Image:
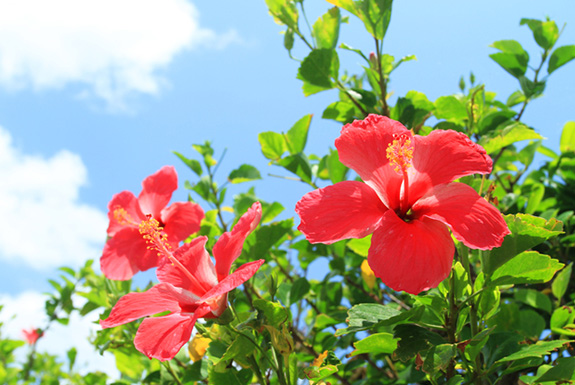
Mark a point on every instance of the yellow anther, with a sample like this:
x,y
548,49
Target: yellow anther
x,y
152,233
122,216
400,153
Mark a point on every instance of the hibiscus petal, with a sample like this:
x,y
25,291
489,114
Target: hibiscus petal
x,y
344,210
362,146
194,257
160,298
242,274
131,215
163,337
181,219
157,191
473,220
443,156
229,245
411,256
125,254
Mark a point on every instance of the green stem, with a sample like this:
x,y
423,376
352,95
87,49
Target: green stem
x,y
257,370
382,84
172,372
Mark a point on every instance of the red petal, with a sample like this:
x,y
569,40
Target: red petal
x,y
229,245
411,256
472,219
441,157
163,337
119,259
345,210
182,219
157,191
160,298
362,146
194,257
127,201
242,274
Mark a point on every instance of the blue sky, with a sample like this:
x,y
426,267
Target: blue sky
x,y
94,97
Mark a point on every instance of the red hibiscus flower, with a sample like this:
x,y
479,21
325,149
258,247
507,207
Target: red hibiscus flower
x,y
126,251
32,335
408,201
190,287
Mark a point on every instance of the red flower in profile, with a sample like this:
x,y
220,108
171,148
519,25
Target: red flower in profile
x,y
32,335
190,287
126,251
408,201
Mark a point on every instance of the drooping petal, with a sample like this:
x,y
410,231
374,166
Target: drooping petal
x,y
163,337
194,257
160,298
181,219
411,256
473,220
119,259
229,245
157,191
362,146
344,210
441,157
123,210
242,274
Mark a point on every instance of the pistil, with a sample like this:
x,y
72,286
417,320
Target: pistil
x,y
400,154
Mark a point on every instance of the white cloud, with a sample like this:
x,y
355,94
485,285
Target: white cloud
x,y
114,48
43,223
26,311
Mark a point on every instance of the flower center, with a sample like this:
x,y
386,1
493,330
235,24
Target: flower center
x,y
400,153
158,241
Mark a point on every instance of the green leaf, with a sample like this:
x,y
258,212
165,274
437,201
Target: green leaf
x,y
273,144
129,364
438,358
318,69
289,40
531,89
531,324
533,298
493,119
265,237
413,340
526,231
375,14
335,168
567,142
375,344
515,98
342,112
527,267
367,315
297,164
72,353
412,109
299,289
192,164
244,173
326,29
512,57
296,137
450,108
535,197
360,246
545,33
284,12
274,312
560,57
231,376
240,348
563,321
512,133
540,349
561,282
563,372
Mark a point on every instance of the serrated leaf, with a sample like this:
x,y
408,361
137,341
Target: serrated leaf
x,y
527,267
319,68
413,340
540,349
438,358
326,29
567,142
512,133
366,315
375,344
274,312
545,33
561,282
244,173
273,145
512,58
296,137
560,57
526,231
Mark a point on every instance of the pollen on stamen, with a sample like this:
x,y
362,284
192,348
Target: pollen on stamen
x,y
400,153
122,216
152,233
